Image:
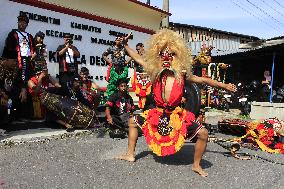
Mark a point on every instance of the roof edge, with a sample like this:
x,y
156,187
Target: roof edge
x,y
72,12
150,7
216,30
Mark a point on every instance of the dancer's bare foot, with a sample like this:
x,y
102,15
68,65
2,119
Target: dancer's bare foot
x,y
199,170
126,157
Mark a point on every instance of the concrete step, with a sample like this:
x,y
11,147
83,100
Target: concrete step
x,y
39,134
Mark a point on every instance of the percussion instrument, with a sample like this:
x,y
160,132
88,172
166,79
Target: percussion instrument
x,y
68,110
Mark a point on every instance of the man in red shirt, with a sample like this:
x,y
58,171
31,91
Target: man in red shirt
x,y
89,89
37,84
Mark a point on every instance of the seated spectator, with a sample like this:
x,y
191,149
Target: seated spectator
x,y
69,108
120,107
37,84
89,89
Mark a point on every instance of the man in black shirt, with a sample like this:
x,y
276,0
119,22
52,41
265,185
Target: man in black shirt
x,y
120,106
19,45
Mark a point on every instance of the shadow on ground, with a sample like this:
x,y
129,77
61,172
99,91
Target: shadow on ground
x,y
183,157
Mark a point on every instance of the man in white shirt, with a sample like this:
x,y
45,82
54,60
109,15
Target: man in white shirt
x,y
67,54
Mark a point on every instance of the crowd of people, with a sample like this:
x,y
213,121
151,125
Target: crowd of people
x,y
72,102
25,77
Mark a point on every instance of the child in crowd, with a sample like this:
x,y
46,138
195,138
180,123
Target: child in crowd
x,y
120,107
89,89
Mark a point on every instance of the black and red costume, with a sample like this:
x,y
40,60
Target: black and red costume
x,y
167,125
12,50
121,107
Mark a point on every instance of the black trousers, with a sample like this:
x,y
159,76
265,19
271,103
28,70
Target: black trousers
x,y
3,115
120,121
66,78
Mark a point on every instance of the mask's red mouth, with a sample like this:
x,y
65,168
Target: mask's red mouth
x,y
166,56
166,64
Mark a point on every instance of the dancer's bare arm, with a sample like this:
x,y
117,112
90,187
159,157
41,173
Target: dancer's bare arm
x,y
213,83
131,52
135,56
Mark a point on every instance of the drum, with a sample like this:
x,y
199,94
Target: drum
x,y
8,69
70,111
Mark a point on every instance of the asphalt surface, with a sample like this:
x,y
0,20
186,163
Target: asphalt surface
x,y
88,162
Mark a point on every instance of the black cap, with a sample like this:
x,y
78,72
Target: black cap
x,y
122,80
67,35
76,78
40,34
84,70
23,17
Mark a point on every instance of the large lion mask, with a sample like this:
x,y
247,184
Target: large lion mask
x,y
167,39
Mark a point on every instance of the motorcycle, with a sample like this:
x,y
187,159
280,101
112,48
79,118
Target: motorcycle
x,y
244,98
248,93
245,105
279,96
225,101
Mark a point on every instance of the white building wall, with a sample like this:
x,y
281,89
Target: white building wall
x,y
91,52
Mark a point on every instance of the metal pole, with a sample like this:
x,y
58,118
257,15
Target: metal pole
x,y
272,78
148,2
165,21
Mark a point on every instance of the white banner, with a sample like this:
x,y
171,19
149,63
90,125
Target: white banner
x,y
91,38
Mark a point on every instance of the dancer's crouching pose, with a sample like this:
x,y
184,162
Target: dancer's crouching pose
x,y
165,127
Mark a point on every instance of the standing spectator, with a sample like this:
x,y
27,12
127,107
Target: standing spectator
x,y
118,68
266,86
19,46
40,48
140,50
68,55
266,78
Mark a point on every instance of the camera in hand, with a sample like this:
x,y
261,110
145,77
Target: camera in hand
x,y
70,41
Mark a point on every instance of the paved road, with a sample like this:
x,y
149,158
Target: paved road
x,y
87,162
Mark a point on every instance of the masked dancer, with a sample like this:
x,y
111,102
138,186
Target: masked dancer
x,y
168,62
